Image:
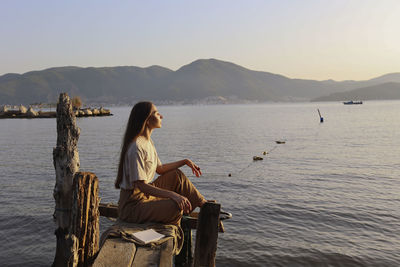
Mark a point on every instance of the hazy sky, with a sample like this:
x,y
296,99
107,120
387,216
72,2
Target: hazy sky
x,y
321,39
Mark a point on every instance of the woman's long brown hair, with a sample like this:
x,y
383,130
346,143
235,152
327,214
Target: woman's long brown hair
x,y
137,120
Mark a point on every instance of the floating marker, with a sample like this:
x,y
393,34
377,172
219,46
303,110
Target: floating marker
x,y
321,119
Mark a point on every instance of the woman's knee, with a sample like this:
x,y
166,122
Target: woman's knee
x,y
180,175
171,213
177,174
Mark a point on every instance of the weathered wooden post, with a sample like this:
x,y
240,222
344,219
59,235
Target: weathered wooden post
x,y
66,164
185,257
85,216
207,235
76,195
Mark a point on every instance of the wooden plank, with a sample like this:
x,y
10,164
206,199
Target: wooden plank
x,y
110,210
207,235
192,220
116,252
159,255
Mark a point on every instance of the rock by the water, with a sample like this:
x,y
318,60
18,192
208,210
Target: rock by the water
x,y
87,112
22,109
31,112
95,111
104,111
3,109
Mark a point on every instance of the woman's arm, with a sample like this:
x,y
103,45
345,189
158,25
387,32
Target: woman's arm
x,y
183,202
175,165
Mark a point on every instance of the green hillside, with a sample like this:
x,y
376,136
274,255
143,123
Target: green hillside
x,y
198,80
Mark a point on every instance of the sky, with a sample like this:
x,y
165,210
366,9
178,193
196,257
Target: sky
x,y
308,39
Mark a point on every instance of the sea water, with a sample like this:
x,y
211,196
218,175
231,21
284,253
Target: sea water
x,y
328,196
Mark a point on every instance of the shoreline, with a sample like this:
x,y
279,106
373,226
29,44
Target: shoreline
x,y
23,113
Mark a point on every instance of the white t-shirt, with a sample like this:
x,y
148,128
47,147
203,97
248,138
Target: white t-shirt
x,y
141,161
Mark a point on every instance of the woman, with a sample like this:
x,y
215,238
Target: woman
x,y
171,194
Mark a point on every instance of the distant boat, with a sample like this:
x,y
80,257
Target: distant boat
x,y
352,102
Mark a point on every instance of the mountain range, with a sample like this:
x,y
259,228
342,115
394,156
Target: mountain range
x,y
201,79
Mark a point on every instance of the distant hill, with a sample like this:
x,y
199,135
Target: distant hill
x,y
384,91
391,77
201,79
92,84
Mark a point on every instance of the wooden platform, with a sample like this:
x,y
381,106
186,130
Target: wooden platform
x,y
206,223
119,251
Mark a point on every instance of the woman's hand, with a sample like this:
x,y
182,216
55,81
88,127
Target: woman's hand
x,y
183,202
195,169
161,169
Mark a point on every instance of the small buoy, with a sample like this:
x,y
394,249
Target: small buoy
x,y
265,153
321,119
257,158
229,175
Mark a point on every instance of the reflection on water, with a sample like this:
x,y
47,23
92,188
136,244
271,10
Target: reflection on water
x,y
327,197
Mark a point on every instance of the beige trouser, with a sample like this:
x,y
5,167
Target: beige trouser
x,y
135,206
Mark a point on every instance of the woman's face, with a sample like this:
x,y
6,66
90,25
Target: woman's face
x,y
155,118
